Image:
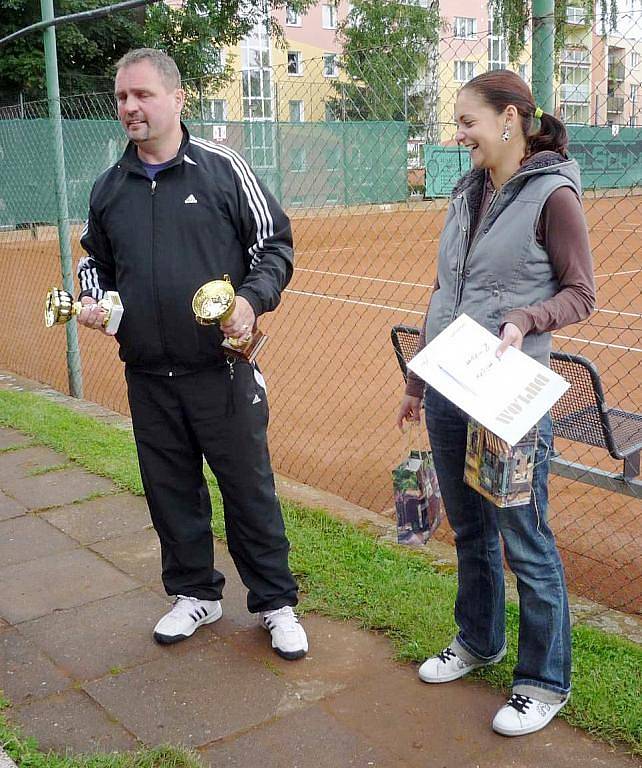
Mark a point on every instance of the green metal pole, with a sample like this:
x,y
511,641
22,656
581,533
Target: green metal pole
x,y
544,54
64,232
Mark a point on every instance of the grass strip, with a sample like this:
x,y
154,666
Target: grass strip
x,y
345,573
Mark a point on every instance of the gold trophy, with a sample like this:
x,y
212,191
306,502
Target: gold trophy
x,y
214,302
60,307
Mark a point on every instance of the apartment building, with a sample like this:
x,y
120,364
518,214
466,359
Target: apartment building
x,y
597,82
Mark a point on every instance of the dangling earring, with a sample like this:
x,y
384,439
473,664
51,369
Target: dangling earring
x,y
506,132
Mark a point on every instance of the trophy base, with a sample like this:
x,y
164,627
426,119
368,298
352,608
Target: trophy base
x,y
247,351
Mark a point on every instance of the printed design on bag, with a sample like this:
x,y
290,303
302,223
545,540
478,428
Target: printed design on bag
x,y
499,472
417,498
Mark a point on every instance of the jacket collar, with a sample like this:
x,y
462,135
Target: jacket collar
x,y
131,162
473,183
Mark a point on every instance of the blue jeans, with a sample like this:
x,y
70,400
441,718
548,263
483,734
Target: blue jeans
x,y
543,669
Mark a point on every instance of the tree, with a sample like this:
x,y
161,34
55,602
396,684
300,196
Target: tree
x,y
385,51
86,52
193,34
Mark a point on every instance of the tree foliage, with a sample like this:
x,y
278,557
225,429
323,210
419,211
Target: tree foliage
x,y
193,34
512,18
385,50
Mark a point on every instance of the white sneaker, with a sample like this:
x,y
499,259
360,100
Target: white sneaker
x,y
186,616
447,666
522,715
288,636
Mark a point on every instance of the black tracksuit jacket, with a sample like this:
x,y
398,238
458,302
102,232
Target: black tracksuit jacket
x,y
156,243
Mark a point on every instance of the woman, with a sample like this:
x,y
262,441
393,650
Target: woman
x,y
514,255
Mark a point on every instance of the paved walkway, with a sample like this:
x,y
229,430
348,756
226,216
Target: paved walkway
x,y
79,569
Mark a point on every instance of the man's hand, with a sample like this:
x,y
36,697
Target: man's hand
x,y
511,337
410,410
241,322
92,315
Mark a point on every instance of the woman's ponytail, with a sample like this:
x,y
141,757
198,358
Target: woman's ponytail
x,y
551,137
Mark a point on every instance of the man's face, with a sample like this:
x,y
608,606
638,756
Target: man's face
x,y
147,109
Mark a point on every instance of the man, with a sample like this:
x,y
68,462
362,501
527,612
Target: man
x,y
174,213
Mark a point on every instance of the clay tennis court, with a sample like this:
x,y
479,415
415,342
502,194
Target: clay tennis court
x,y
335,385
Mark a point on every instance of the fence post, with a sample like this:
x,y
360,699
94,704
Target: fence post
x,y
64,234
543,54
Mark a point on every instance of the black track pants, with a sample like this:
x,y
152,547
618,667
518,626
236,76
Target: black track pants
x,y
178,420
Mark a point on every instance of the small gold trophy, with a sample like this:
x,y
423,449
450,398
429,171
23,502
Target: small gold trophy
x,y
60,307
215,301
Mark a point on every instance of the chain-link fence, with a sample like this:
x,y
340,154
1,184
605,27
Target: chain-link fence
x,y
364,167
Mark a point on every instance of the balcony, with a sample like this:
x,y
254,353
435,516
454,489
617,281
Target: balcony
x,y
576,16
617,72
578,93
615,105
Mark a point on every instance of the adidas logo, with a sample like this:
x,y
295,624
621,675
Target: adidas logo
x,y
190,199
256,400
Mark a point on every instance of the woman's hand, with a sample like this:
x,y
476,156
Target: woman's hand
x,y
410,410
511,337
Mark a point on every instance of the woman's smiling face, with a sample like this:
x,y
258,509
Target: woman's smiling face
x,y
479,128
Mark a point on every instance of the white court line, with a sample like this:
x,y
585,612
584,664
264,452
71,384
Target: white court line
x,y
426,285
354,301
616,274
617,312
598,343
421,314
364,277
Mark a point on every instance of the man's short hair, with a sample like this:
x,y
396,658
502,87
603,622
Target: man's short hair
x,y
162,63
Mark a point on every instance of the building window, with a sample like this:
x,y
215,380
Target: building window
x,y
464,71
465,26
497,51
634,59
218,110
292,17
575,64
329,16
295,63
257,74
296,112
575,114
330,65
523,72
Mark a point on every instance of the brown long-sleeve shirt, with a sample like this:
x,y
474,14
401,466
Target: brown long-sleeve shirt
x,y
563,233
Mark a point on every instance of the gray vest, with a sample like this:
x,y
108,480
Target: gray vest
x,y
504,267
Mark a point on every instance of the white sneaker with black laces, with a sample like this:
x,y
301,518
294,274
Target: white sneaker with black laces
x,y
288,636
186,616
522,714
447,666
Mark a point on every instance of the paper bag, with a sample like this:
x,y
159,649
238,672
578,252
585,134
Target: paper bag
x,y
417,498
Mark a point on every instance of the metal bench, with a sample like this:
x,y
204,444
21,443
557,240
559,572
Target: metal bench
x,y
580,415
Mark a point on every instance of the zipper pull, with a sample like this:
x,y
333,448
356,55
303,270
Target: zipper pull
x,y
153,186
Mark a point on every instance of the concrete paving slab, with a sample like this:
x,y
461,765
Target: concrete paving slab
x,y
18,464
137,555
29,538
100,519
93,640
64,580
56,488
10,507
450,726
340,654
26,673
11,437
310,738
210,694
71,722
